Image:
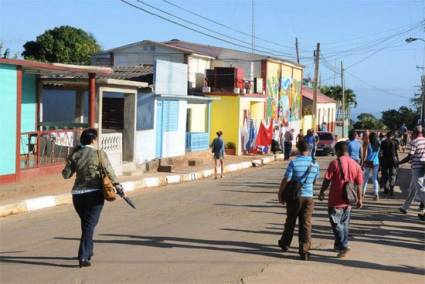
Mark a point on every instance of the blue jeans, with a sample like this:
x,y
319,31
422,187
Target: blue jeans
x,y
340,222
375,171
88,206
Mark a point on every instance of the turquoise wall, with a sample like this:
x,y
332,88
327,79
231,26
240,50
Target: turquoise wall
x,y
8,119
29,103
29,108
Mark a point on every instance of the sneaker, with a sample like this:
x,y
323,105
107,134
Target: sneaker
x,y
342,253
305,256
402,210
376,198
84,263
421,216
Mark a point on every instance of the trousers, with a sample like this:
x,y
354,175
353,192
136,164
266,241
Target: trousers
x,y
340,223
88,206
416,185
302,209
389,174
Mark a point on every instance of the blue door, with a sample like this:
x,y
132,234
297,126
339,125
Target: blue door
x,y
159,128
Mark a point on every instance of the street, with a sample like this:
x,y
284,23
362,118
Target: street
x,y
210,231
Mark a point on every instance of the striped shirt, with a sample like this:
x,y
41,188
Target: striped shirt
x,y
297,168
417,151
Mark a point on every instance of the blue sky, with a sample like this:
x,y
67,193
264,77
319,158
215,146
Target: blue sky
x,y
345,28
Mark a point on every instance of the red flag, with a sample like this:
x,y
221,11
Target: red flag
x,y
263,136
270,132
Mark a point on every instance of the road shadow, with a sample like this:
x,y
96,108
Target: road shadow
x,y
39,260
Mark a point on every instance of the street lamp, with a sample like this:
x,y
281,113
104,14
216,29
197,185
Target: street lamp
x,y
409,40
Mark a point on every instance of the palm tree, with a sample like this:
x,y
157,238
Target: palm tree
x,y
335,92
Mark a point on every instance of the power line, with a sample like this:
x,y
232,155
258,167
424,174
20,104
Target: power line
x,y
374,87
264,49
226,26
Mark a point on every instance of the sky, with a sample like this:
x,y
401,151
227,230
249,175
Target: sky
x,y
367,34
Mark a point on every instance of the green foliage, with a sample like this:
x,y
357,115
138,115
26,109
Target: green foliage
x,y
5,52
335,92
368,121
230,145
63,44
393,119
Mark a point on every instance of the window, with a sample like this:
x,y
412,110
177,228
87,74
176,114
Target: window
x,y
145,111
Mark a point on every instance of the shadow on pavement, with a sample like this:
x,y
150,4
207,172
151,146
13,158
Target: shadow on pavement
x,y
38,260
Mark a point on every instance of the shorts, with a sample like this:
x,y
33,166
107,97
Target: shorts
x,y
218,156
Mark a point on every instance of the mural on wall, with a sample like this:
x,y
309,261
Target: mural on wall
x,y
290,99
273,97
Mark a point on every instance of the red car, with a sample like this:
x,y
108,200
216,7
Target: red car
x,y
326,143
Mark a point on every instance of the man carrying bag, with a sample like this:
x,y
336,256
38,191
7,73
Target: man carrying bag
x,y
343,175
296,190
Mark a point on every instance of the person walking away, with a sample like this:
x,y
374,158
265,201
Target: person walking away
x,y
275,140
365,144
311,143
371,164
417,158
289,137
389,159
282,131
354,147
341,170
87,194
217,146
300,137
305,170
404,136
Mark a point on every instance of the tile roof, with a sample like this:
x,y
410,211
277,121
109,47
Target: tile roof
x,y
321,98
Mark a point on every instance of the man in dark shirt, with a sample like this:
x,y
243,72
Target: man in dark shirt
x,y
389,159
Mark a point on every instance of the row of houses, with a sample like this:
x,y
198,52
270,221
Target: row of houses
x,y
149,100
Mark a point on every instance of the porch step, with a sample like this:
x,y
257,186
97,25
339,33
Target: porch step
x,y
128,168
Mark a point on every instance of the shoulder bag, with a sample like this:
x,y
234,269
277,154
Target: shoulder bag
x,y
107,186
293,187
349,193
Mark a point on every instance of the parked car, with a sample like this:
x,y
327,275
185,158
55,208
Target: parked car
x,y
326,143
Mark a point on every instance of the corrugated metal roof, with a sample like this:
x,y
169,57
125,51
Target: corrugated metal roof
x,y
321,98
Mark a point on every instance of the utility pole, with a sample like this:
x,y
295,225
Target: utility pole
x,y
297,50
423,101
315,84
343,99
253,25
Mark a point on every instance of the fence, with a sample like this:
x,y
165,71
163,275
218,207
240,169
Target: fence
x,y
41,148
112,145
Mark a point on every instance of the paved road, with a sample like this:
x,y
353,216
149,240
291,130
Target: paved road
x,y
210,232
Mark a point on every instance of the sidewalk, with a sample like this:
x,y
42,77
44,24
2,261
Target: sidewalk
x,y
53,190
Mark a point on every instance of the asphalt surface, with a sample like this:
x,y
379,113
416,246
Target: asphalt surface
x,y
211,231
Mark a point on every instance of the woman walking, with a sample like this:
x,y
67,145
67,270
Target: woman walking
x,y
371,164
87,194
218,150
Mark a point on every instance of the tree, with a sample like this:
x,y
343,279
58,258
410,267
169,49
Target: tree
x,y
393,119
63,44
335,92
6,52
368,121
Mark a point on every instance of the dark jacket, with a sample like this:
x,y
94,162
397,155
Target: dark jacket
x,y
84,162
389,153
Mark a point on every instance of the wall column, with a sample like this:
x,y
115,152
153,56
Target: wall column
x,y
92,99
18,118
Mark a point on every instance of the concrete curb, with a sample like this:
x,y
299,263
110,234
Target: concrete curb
x,y
34,204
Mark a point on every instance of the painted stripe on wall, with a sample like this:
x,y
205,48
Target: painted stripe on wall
x,y
8,84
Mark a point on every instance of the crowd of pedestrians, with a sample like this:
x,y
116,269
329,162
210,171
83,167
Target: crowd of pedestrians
x,y
362,156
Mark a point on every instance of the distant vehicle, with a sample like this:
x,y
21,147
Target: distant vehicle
x,y
326,143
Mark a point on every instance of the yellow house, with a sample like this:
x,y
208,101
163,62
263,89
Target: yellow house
x,y
229,113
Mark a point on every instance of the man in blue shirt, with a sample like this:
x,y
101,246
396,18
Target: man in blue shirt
x,y
303,169
354,147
